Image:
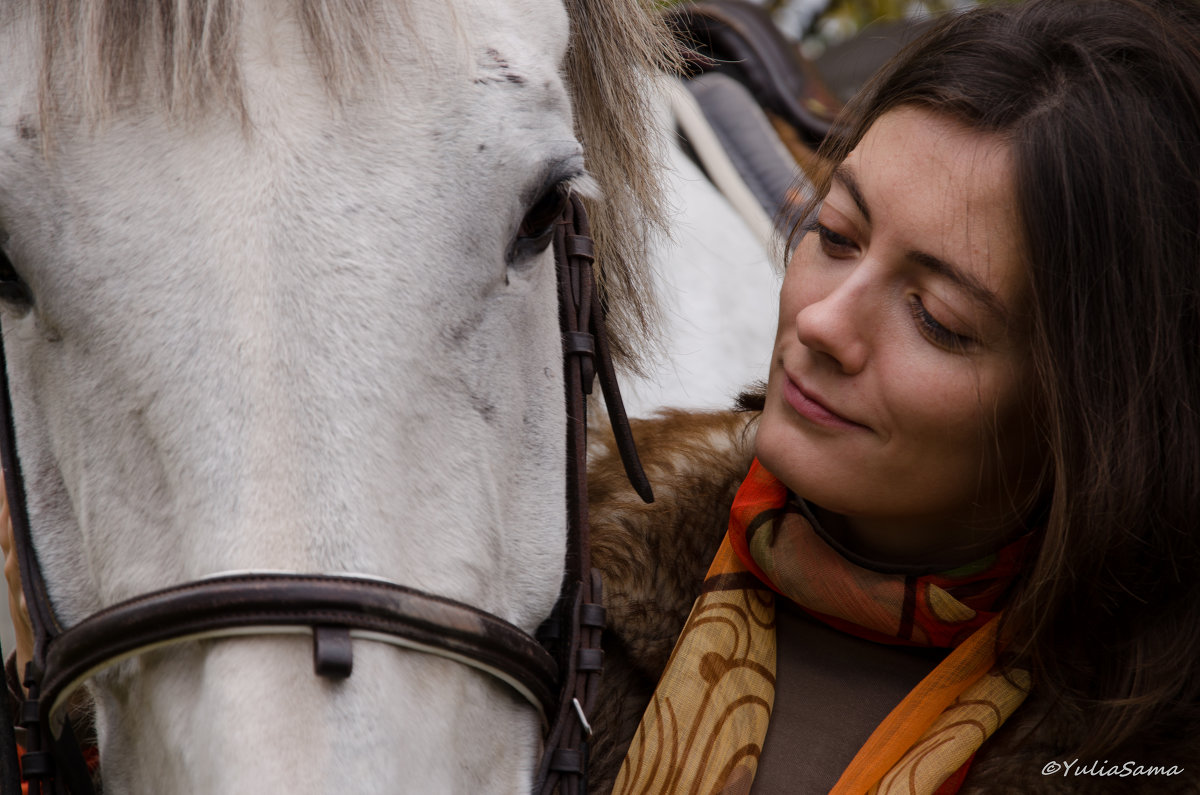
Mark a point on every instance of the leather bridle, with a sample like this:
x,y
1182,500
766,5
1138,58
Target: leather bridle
x,y
558,672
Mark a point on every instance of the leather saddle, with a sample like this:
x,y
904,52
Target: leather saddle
x,y
754,109
739,39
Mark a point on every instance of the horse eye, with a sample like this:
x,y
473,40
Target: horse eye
x,y
538,224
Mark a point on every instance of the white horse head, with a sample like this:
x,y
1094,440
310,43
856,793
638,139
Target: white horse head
x,y
286,315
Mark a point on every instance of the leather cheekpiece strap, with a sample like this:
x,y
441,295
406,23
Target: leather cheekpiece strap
x,y
579,342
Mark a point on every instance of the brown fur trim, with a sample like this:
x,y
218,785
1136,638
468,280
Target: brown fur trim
x,y
653,557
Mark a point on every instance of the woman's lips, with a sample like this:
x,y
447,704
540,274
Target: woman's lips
x,y
812,409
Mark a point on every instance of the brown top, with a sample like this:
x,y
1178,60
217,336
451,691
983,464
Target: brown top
x,y
831,691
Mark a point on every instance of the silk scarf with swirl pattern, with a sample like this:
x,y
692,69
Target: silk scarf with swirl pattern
x,y
704,728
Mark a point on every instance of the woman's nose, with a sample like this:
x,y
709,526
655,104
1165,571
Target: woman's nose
x,y
835,323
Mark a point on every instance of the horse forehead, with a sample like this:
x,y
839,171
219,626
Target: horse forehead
x,y
518,42
470,76
438,46
539,27
516,52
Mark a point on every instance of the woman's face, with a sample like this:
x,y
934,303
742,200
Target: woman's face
x,y
900,385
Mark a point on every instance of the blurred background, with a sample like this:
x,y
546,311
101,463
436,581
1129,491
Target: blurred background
x,y
848,39
819,24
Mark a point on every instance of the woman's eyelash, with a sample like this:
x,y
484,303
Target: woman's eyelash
x,y
835,244
935,330
831,239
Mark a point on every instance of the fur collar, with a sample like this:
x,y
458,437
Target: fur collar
x,y
653,557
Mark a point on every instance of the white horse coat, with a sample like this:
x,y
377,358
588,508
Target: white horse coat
x,y
307,337
717,276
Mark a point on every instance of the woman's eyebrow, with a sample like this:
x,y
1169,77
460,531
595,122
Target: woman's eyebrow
x,y
845,176
963,279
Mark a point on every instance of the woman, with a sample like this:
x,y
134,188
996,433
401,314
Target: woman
x,y
970,531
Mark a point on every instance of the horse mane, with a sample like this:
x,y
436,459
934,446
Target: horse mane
x,y
100,54
617,47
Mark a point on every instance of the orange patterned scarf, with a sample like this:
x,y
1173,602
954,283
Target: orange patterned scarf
x,y
703,730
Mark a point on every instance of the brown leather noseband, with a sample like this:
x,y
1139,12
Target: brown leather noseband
x,y
559,678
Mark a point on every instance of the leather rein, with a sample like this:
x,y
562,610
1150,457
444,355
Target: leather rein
x,y
558,672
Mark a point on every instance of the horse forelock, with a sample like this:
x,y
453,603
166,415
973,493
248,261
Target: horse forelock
x,y
617,47
101,54
98,54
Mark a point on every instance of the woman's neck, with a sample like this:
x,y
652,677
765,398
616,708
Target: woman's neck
x,y
911,548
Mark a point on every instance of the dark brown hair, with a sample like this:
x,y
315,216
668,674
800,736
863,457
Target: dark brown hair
x,y
1100,103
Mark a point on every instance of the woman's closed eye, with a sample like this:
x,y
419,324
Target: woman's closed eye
x,y
935,332
837,245
834,244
